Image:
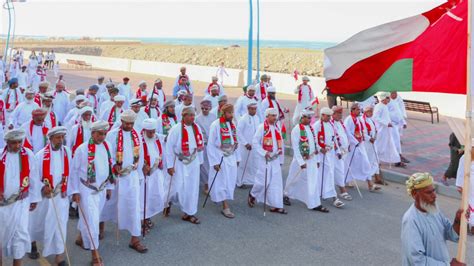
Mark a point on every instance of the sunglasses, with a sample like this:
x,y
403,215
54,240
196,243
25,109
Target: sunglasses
x,y
205,109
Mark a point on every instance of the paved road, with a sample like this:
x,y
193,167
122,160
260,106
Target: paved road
x,y
365,232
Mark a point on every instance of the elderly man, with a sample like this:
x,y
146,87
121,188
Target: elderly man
x,y
328,156
72,114
341,153
167,119
38,76
12,97
19,194
302,182
47,103
136,106
43,88
246,128
93,98
214,85
80,132
224,159
395,98
60,102
36,130
151,201
114,112
158,90
268,183
261,88
125,89
48,223
398,123
106,96
152,109
384,143
271,102
181,75
187,102
184,149
142,93
213,96
305,98
243,101
91,175
370,135
460,185
424,228
358,166
22,113
183,85
123,207
216,110
204,121
107,104
101,84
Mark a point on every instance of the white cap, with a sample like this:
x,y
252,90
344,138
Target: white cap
x,y
80,98
119,98
252,103
44,84
326,111
99,126
368,107
305,78
85,109
149,124
382,95
307,113
128,116
271,111
30,91
59,130
250,88
155,96
135,101
141,83
214,87
14,134
271,89
214,78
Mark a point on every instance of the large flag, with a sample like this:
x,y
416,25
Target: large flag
x,y
425,53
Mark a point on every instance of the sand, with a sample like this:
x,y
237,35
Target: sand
x,y
306,61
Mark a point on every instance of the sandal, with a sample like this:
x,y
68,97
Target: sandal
x,y
286,201
227,213
375,188
251,200
320,208
279,210
401,165
338,203
191,218
346,196
137,246
80,243
149,223
97,262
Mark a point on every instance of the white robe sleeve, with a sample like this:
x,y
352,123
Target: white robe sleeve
x,y
112,141
79,169
35,181
295,141
350,127
172,139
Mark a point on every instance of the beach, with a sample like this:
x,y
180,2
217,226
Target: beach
x,y
280,60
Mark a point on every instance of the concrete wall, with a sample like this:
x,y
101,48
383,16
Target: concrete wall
x,y
448,104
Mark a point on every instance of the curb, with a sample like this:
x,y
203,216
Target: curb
x,y
448,191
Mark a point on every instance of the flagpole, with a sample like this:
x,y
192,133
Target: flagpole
x,y
249,55
461,254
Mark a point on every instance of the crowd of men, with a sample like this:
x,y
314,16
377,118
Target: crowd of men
x,y
113,154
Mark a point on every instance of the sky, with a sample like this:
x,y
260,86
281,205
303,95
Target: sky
x,y
330,20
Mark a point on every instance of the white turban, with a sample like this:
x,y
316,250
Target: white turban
x,y
188,110
214,78
271,89
141,83
100,126
44,84
128,116
271,111
382,95
252,103
150,124
307,113
119,98
214,87
59,130
250,88
85,109
30,91
326,111
14,134
368,107
80,98
135,102
305,78
169,103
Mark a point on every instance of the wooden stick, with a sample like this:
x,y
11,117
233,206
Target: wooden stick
x,y
461,253
60,230
169,187
96,252
245,166
265,191
144,208
212,184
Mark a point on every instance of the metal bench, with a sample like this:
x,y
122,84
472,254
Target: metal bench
x,y
84,65
422,107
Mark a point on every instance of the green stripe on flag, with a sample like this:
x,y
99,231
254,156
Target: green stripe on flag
x,y
398,77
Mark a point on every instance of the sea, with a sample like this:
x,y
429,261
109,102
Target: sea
x,y
313,45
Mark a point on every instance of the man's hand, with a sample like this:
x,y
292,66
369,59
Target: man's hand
x,y
339,156
76,198
323,151
217,167
268,155
108,194
171,171
460,151
303,166
405,126
117,168
10,127
47,192
33,206
146,169
248,147
390,125
2,198
372,140
455,262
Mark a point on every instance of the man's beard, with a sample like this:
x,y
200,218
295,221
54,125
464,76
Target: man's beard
x,y
428,207
86,124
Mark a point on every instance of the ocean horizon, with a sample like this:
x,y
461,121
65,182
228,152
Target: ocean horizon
x,y
312,45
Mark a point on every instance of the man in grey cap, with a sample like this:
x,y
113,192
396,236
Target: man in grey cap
x,y
167,119
106,104
93,98
106,95
54,162
92,176
101,84
305,98
261,88
127,157
19,194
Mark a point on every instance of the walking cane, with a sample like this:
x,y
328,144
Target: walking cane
x,y
349,168
265,192
169,187
245,167
144,209
60,230
96,252
322,176
212,184
117,231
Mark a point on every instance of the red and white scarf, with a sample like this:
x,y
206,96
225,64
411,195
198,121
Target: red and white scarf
x,y
166,123
44,130
136,146
185,139
24,170
300,92
38,99
367,125
146,153
47,176
113,116
358,128
263,91
210,86
2,112
225,134
280,111
8,99
96,103
41,74
148,110
268,138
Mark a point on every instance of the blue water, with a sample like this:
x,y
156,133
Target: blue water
x,y
213,42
